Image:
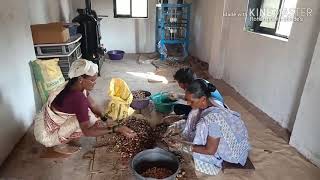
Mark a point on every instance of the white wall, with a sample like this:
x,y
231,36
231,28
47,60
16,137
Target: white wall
x,y
270,73
17,103
305,135
45,11
130,35
202,28
19,98
207,34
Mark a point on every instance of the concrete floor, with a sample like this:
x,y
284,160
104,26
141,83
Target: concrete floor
x,y
29,159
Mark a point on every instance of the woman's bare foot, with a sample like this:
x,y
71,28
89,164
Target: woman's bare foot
x,y
75,143
66,149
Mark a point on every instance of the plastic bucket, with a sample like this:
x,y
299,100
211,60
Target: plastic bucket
x,y
163,103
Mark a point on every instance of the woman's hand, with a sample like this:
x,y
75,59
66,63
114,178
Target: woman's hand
x,y
171,131
172,119
124,130
173,143
179,145
174,96
175,128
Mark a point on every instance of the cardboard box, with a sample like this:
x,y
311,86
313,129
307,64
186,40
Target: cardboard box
x,y
49,33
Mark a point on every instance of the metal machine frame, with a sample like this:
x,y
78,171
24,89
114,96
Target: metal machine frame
x,y
173,19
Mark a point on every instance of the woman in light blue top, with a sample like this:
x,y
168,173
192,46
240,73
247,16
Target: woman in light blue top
x,y
185,77
212,134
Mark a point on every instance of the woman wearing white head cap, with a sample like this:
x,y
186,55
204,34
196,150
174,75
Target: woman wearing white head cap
x,y
70,112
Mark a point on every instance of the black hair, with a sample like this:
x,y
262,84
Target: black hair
x,y
59,99
200,87
184,75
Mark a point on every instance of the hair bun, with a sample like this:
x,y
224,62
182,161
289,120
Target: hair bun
x,y
211,87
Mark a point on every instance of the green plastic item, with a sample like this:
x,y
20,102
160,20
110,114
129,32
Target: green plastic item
x,y
162,102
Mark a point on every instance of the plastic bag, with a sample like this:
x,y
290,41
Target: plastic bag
x,y
48,77
121,98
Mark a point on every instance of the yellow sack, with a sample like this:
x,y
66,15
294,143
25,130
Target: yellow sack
x,y
121,98
48,76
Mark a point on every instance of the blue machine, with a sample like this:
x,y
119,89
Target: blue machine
x,y
172,28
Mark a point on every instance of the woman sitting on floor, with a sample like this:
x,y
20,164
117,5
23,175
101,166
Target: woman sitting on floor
x,y
212,134
70,112
185,77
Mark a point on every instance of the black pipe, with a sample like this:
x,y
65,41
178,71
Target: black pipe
x,y
88,5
